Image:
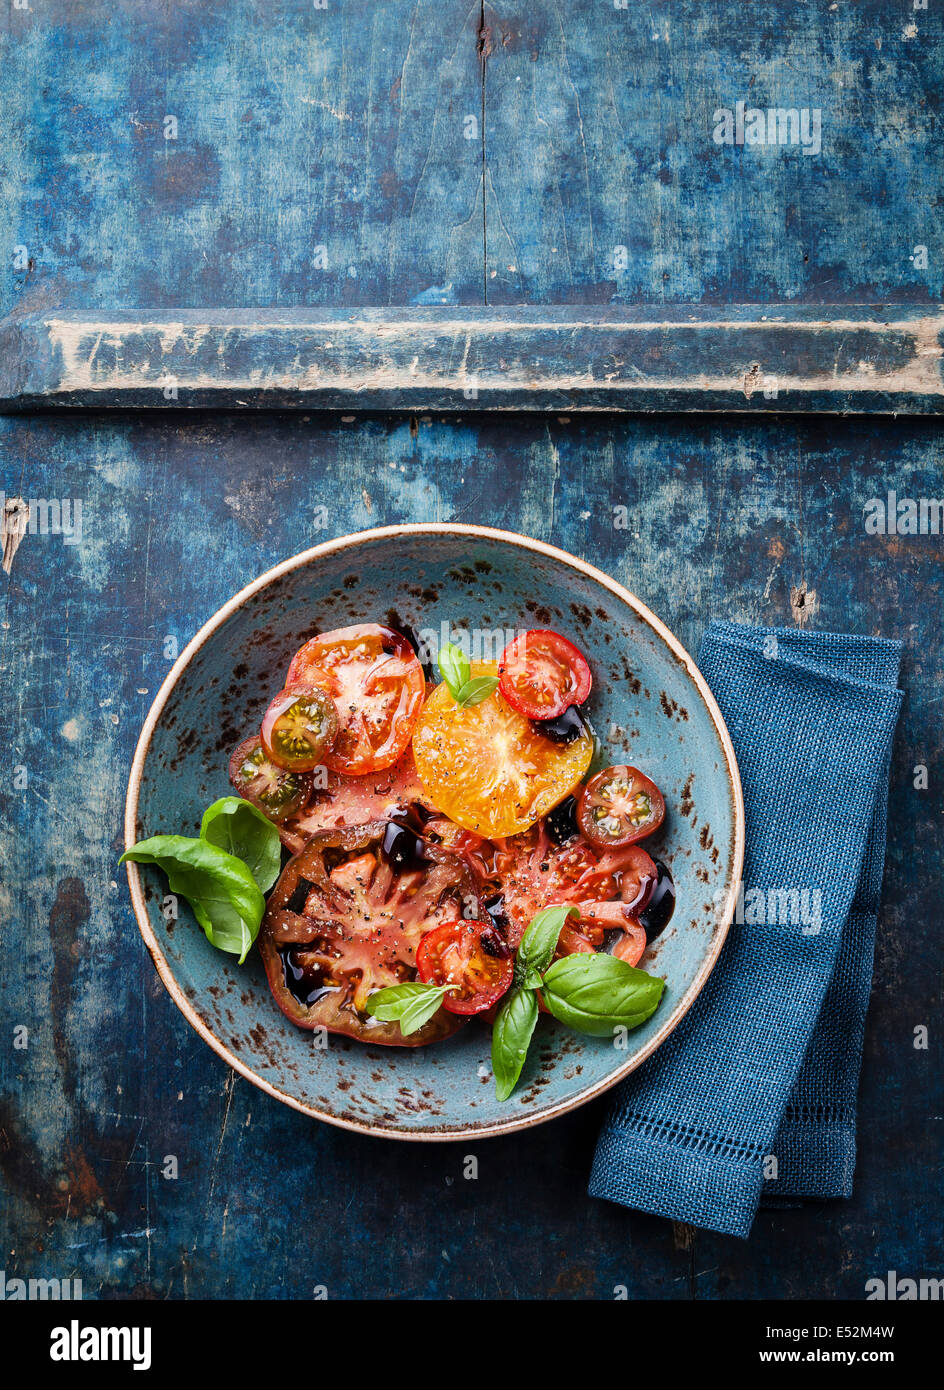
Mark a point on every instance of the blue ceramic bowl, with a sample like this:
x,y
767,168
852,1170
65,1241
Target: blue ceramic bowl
x,y
650,707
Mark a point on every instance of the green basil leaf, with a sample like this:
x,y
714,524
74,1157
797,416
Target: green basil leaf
x,y
511,1037
475,690
540,940
531,979
598,993
245,942
225,897
454,667
410,1005
242,830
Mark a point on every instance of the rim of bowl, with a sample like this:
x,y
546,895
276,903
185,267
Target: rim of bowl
x,y
351,542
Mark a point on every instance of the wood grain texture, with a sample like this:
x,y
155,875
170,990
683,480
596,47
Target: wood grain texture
x,y
604,182
479,359
320,155
459,154
726,518
347,128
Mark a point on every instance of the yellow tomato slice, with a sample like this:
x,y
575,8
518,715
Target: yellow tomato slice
x,y
487,767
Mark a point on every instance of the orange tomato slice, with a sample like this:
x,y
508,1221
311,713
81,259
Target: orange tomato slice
x,y
487,767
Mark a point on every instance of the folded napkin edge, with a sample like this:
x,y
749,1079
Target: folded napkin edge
x,y
810,665
684,1181
862,639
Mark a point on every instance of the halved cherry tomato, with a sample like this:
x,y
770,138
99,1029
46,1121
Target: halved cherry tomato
x,y
487,767
472,958
299,727
377,684
542,674
619,806
275,790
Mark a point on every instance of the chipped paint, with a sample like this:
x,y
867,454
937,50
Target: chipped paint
x,y
14,519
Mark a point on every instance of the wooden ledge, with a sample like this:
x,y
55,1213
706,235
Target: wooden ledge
x,y
843,359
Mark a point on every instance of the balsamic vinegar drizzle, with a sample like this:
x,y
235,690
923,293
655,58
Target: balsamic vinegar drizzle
x,y
495,907
562,821
565,728
396,624
299,898
304,982
655,915
403,849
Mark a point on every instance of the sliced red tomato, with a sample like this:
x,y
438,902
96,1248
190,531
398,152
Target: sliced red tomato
x,y
339,799
542,674
582,939
377,684
626,873
609,889
277,791
487,767
346,918
479,853
619,806
470,957
299,727
631,944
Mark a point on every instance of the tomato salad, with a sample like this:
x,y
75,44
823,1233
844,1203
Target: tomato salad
x,y
452,855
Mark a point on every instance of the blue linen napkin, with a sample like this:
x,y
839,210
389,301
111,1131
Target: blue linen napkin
x,y
752,1098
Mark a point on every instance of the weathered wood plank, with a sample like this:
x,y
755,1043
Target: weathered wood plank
x,y
237,152
605,182
556,359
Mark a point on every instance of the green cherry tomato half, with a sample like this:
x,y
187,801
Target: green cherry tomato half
x,y
299,728
276,791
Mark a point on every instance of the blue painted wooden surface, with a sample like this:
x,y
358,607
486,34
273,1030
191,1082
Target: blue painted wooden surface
x,y
725,519
346,128
369,130
599,135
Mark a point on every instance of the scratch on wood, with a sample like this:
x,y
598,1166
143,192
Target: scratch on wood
x,y
230,1085
13,523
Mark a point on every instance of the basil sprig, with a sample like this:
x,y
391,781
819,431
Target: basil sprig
x,y
592,993
223,873
456,671
540,940
597,994
511,1038
410,1005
